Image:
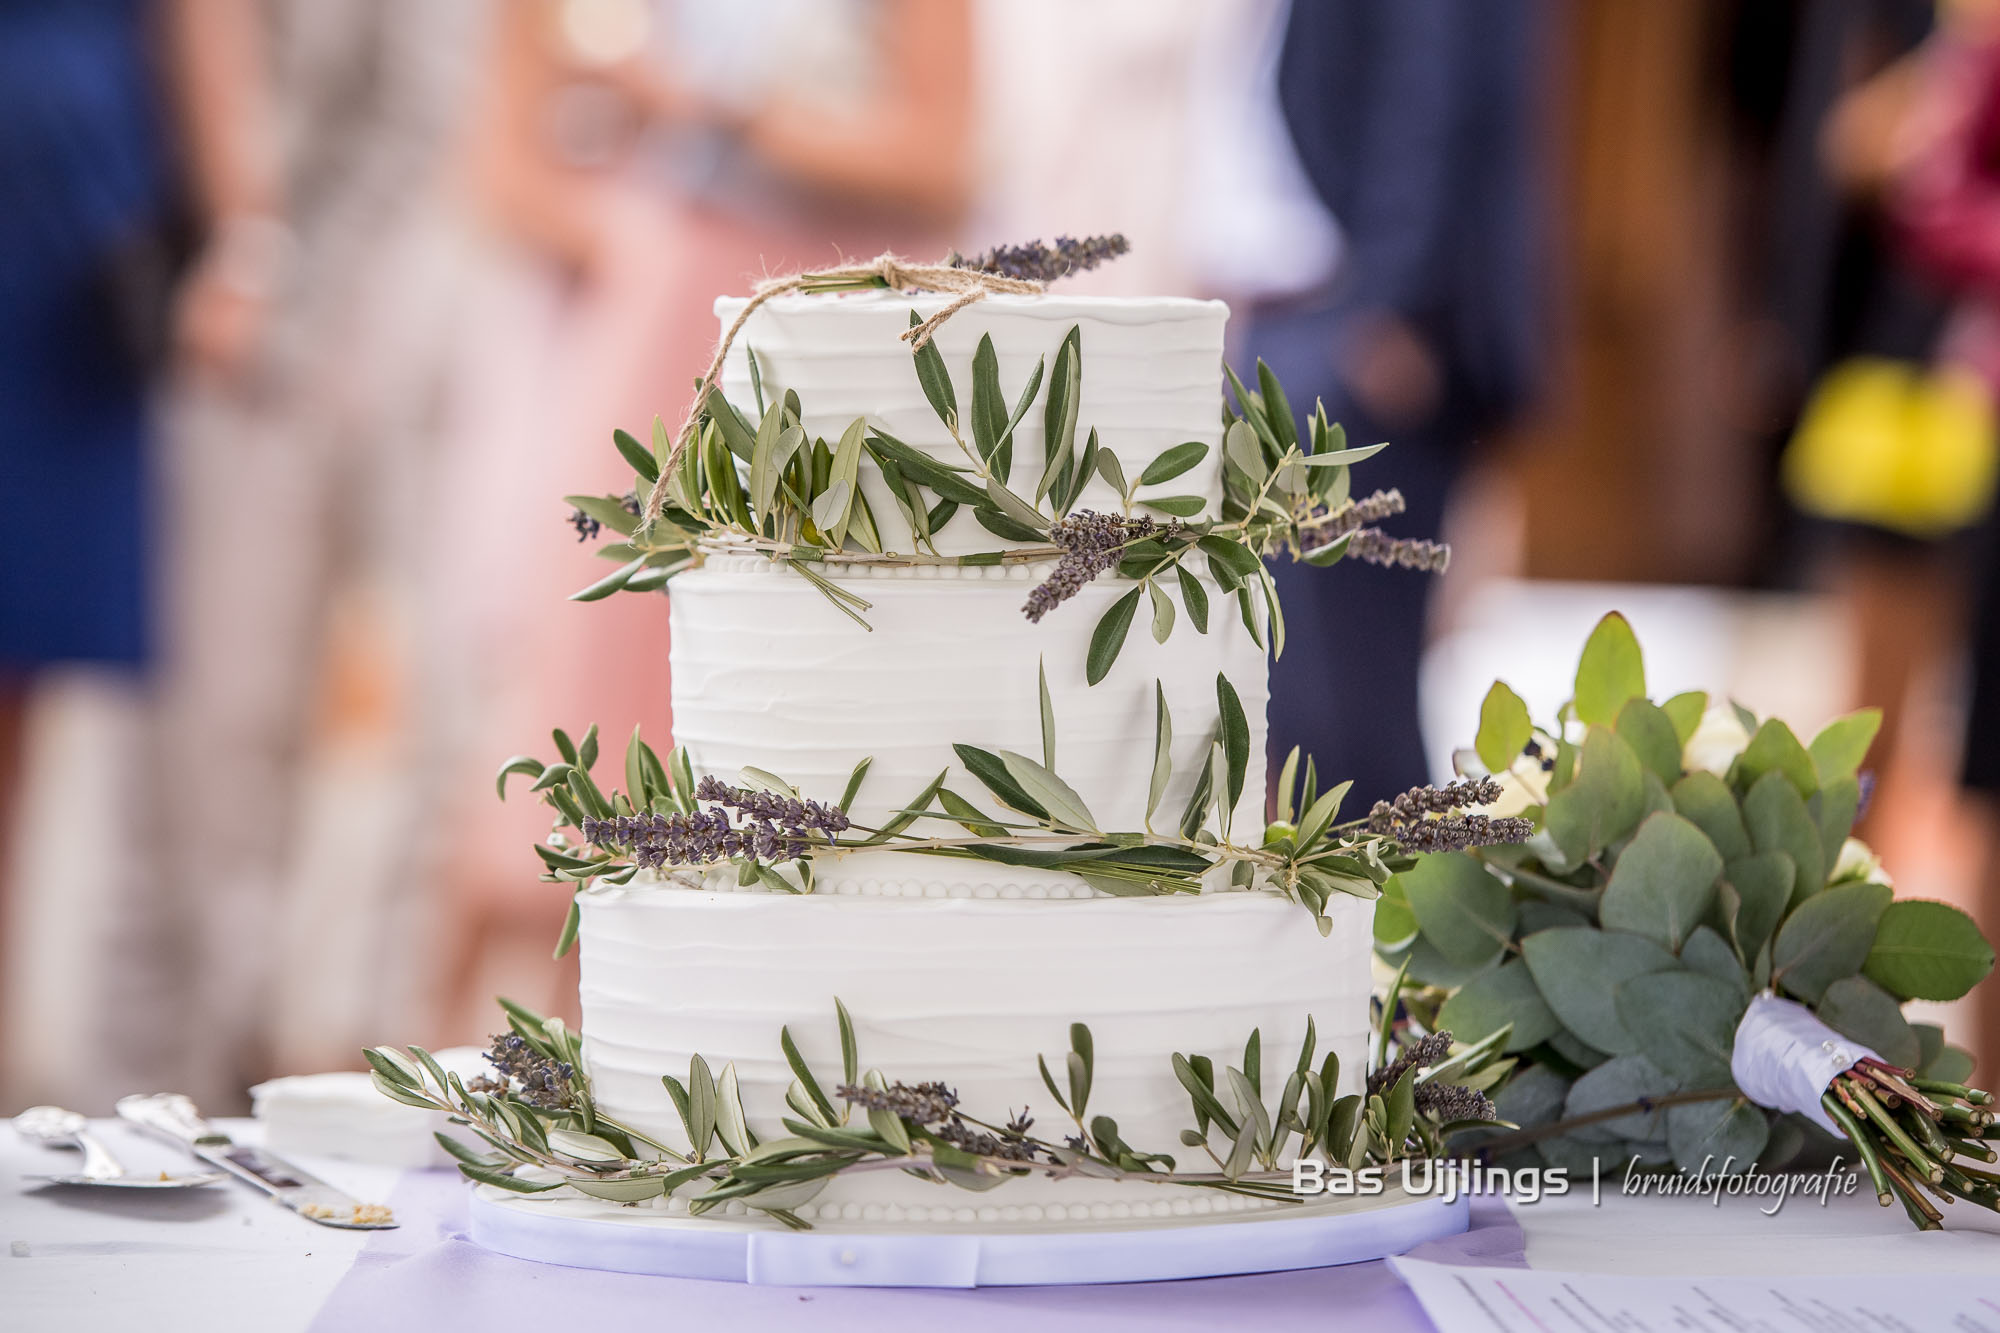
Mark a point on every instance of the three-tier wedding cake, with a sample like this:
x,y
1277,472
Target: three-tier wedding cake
x,y
958,970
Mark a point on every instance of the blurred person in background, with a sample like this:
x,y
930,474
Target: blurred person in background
x,y
1939,157
633,159
84,266
1412,120
312,347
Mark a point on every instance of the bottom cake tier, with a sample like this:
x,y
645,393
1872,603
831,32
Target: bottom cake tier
x,y
967,993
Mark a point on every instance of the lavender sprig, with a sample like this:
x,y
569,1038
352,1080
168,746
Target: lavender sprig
x,y
527,1075
1421,1053
1091,543
773,828
1429,819
1449,1102
1036,262
1379,548
787,811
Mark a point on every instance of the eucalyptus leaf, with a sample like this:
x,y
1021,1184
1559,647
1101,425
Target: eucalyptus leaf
x,y
1774,749
1601,805
1841,745
1827,937
1778,821
1650,733
1578,969
1721,1137
1611,670
1617,1082
1663,883
1494,1000
1856,1007
1465,913
1685,1023
1504,728
1706,800
1685,711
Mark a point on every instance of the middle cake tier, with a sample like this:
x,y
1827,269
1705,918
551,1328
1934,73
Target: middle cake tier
x,y
768,674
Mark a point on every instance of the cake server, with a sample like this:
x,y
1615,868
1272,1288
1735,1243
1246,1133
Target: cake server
x,y
173,1117
54,1127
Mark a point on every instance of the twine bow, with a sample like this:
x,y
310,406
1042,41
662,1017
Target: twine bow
x,y
885,270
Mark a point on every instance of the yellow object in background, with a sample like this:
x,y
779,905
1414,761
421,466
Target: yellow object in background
x,y
1895,446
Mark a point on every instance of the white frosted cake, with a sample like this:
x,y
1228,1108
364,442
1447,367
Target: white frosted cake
x,y
956,970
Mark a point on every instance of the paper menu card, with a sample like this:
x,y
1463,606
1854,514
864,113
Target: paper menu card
x,y
1523,1300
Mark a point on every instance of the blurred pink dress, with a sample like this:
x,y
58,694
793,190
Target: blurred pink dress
x,y
555,370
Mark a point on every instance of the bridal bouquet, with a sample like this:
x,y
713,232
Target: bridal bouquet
x,y
1692,959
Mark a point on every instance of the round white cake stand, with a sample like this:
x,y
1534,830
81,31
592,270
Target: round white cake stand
x,y
588,1233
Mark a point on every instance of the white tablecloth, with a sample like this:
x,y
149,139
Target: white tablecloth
x,y
214,1259
225,1258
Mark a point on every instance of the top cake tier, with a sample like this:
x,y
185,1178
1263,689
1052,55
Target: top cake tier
x,y
1150,379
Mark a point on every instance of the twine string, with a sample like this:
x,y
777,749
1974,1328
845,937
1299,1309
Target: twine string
x,y
966,285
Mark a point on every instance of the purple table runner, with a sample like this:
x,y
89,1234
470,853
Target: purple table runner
x,y
426,1275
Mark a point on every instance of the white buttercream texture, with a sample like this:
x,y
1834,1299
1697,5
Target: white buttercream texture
x,y
1151,378
964,991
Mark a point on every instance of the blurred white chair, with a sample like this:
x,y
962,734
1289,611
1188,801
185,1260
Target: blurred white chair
x,y
1783,654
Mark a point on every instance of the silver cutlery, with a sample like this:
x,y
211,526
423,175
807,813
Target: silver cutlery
x,y
173,1117
54,1127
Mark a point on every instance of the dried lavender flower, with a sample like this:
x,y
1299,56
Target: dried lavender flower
x,y
790,812
1448,1102
1458,833
1333,524
1091,543
1035,262
1422,1053
527,1075
1417,802
1379,548
923,1104
586,526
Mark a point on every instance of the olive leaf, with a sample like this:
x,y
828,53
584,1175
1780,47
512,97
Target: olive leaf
x,y
1163,741
1234,731
1109,637
1171,463
1194,597
1048,791
935,379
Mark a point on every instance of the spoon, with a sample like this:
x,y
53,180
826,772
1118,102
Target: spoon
x,y
53,1127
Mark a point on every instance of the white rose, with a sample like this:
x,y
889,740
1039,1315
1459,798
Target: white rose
x,y
1858,861
1716,742
1523,784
